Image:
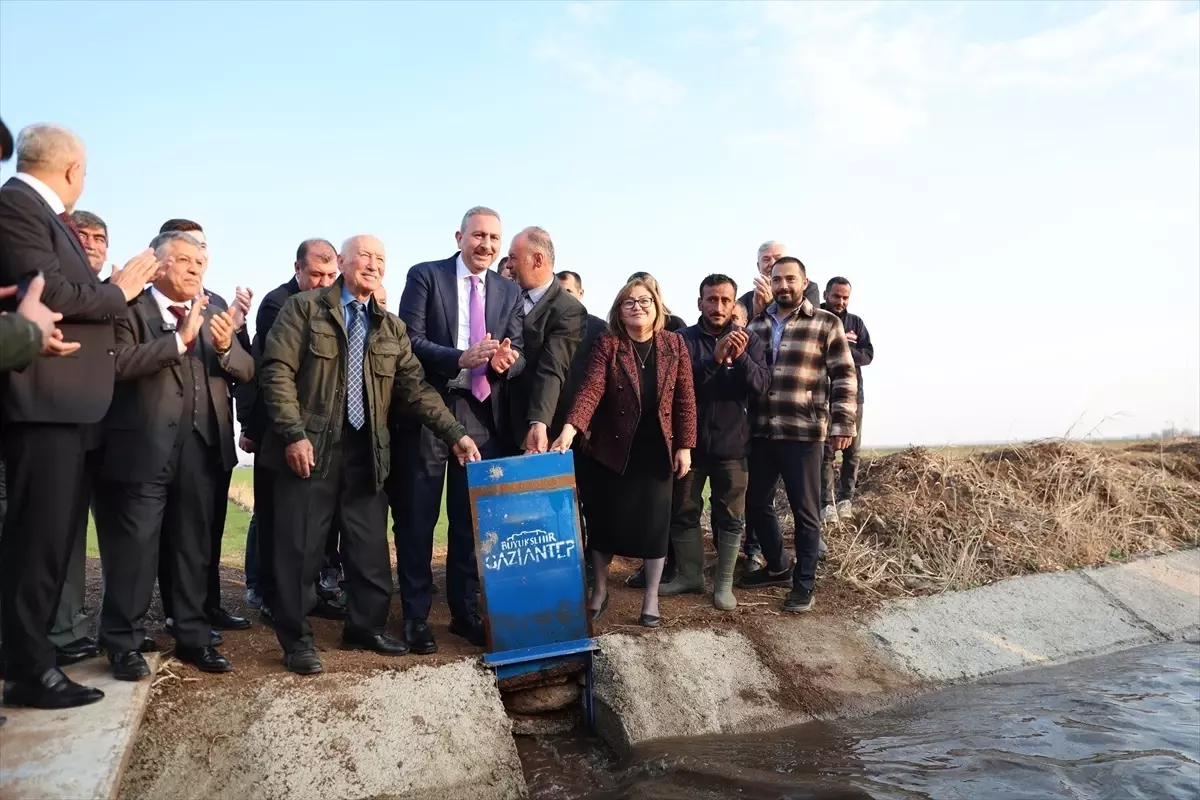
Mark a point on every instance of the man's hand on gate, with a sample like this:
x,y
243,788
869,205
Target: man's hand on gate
x,y
537,440
301,457
465,450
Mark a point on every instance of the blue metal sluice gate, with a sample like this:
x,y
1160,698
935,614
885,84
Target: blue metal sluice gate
x,y
529,550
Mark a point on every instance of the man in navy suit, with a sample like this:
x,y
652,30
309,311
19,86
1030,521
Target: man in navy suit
x,y
465,324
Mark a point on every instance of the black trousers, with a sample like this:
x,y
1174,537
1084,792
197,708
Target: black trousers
x,y
264,529
145,527
425,465
847,481
50,470
727,498
305,509
799,464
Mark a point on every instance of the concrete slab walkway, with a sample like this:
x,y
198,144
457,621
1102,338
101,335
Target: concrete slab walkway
x,y
77,753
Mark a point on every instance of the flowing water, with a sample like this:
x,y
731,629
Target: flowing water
x,y
1125,725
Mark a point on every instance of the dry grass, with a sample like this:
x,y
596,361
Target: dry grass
x,y
242,496
928,521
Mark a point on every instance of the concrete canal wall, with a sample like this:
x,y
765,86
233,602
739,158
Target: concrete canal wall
x,y
442,732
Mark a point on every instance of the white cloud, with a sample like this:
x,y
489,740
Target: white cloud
x,y
625,79
873,81
592,12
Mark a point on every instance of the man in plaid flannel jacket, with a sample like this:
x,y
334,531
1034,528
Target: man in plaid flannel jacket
x,y
813,394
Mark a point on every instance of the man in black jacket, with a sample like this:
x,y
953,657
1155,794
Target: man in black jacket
x,y
554,325
316,267
169,442
729,366
51,412
837,301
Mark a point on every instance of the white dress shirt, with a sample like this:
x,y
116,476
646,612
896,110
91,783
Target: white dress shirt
x,y
534,295
464,302
49,195
463,342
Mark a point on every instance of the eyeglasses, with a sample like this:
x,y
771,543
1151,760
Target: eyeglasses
x,y
635,302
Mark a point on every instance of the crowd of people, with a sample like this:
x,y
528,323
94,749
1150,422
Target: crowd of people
x,y
119,396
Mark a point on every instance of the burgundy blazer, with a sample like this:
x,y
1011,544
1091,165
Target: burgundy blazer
x,y
609,401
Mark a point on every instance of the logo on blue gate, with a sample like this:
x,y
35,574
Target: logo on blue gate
x,y
530,547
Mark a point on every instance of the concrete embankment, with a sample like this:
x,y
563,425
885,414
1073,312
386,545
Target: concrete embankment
x,y
788,669
424,731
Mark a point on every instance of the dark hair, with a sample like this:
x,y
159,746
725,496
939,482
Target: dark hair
x,y
86,219
717,279
181,225
836,281
500,264
308,244
566,273
792,260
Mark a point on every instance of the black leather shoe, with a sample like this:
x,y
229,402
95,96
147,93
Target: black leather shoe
x,y
215,639
222,620
76,651
470,628
148,645
376,643
52,690
304,662
128,666
420,638
328,610
205,659
649,621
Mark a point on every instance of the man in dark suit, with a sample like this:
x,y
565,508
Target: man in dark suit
x,y
554,325
218,617
51,411
316,267
333,364
169,441
465,323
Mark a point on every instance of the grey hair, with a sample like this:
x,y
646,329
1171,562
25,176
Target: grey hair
x,y
540,240
768,244
86,219
476,211
47,146
159,243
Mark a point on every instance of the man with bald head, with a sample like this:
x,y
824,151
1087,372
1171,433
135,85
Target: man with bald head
x,y
52,410
554,325
316,267
466,326
333,365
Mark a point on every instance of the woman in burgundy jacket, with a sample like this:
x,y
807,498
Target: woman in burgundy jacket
x,y
639,408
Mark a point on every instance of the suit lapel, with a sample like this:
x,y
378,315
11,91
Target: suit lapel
x,y
494,304
542,306
666,361
448,277
158,326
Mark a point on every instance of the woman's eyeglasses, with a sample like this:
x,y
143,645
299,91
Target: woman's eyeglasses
x,y
636,302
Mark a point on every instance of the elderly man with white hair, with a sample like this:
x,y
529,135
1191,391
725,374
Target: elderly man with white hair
x,y
333,364
52,411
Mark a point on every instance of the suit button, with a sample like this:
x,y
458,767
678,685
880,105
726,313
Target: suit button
x,y
112,352
179,394
172,425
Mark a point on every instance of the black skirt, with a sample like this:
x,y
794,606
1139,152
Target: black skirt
x,y
631,512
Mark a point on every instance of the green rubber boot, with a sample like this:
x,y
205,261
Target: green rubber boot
x,y
728,547
689,564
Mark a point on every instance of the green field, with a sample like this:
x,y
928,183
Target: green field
x,y
237,520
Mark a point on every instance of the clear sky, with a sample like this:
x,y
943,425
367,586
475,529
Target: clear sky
x,y
1012,188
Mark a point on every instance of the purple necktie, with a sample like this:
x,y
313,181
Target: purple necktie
x,y
479,381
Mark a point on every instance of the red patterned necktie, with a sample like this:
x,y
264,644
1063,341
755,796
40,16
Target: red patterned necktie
x,y
181,313
70,223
